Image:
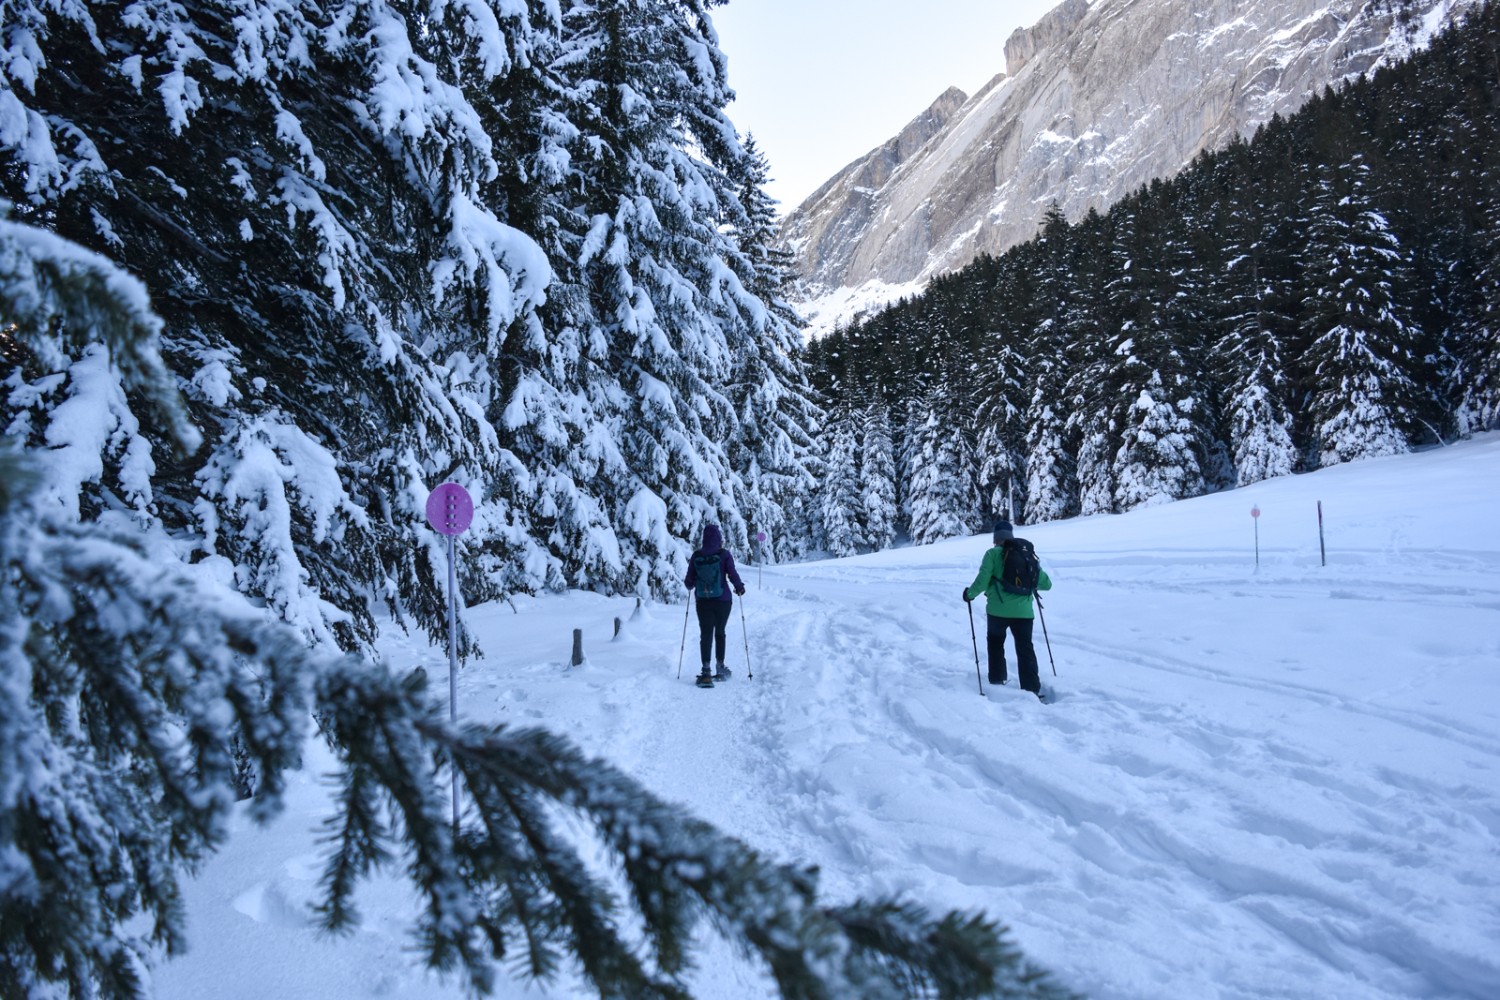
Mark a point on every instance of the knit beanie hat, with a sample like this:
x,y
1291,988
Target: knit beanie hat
x,y
1003,531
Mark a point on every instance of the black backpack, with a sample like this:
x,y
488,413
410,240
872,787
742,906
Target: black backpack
x,y
708,576
1020,571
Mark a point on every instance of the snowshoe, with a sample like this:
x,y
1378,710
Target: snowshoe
x,y
722,673
705,679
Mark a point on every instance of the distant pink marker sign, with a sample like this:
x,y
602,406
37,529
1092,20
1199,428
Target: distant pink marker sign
x,y
450,509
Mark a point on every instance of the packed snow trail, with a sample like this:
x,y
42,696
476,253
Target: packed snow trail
x,y
1256,784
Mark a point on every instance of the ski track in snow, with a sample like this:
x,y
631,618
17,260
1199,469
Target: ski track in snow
x,y
1280,782
1298,823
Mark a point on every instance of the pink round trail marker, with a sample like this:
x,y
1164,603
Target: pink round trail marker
x,y
450,509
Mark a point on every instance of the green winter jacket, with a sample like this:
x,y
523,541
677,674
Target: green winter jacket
x,y
996,601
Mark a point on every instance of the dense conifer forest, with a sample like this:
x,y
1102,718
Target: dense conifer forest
x,y
1324,291
270,271
393,244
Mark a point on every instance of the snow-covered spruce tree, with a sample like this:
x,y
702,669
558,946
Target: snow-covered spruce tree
x,y
302,190
1051,487
1253,371
773,449
841,501
1154,393
998,448
661,310
557,444
941,499
1157,462
877,477
1095,352
123,676
1478,366
1369,389
123,673
908,413
1051,478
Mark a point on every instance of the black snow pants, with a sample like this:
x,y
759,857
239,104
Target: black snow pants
x,y
713,618
1026,665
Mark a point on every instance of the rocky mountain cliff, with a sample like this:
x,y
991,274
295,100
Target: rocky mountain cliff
x,y
1097,98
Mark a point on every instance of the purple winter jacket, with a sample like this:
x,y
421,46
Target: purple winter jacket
x,y
713,541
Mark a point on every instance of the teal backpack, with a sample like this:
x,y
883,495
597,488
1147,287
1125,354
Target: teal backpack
x,y
709,572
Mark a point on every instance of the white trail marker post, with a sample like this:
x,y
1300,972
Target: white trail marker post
x,y
450,510
1255,516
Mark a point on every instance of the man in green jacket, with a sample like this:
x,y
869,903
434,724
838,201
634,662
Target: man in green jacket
x,y
1007,611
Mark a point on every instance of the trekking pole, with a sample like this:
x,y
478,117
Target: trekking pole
x,y
1044,632
974,637
749,670
686,611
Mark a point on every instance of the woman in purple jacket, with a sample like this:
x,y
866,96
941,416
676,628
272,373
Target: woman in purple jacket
x,y
710,574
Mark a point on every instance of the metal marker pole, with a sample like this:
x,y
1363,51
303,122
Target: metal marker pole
x,y
1322,552
760,558
453,667
450,509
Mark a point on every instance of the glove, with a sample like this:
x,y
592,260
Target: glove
x,y
739,591
967,598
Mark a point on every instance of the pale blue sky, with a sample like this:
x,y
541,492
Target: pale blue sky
x,y
822,82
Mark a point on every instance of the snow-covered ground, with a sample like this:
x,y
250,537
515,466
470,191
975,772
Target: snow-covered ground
x,y
1272,782
840,307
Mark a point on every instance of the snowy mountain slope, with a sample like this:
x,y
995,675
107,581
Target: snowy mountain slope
x,y
1097,99
1256,783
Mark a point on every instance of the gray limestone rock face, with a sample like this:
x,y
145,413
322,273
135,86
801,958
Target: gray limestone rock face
x,y
835,216
1098,99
